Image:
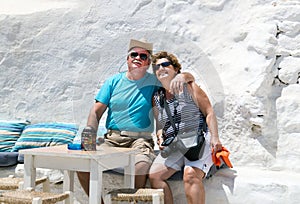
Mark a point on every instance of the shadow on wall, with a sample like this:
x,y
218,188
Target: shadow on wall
x,y
218,186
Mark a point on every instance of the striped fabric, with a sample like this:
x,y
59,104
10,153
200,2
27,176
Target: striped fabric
x,y
10,132
188,116
46,134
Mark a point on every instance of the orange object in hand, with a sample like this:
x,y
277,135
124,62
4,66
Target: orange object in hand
x,y
224,155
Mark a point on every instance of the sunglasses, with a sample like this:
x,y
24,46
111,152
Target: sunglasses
x,y
143,56
167,141
163,64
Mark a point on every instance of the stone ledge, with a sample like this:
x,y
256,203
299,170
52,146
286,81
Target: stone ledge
x,y
252,185
249,185
234,186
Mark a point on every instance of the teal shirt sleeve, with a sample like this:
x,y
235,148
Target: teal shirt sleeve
x,y
104,94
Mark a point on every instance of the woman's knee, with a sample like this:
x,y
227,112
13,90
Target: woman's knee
x,y
154,179
157,178
193,175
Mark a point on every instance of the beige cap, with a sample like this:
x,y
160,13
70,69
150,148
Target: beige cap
x,y
142,44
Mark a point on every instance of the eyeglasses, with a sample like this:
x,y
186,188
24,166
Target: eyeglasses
x,y
163,64
167,141
143,56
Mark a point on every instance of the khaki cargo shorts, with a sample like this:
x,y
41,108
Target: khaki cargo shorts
x,y
144,144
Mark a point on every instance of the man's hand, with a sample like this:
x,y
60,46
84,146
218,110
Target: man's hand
x,y
176,85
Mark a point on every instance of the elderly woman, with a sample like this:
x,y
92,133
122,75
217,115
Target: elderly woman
x,y
190,111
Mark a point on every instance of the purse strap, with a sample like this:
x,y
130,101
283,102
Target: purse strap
x,y
167,108
164,103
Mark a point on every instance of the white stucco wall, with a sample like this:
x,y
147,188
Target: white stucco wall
x,y
54,55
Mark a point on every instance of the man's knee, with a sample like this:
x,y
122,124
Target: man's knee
x,y
142,168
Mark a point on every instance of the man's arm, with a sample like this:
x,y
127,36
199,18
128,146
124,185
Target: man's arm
x,y
177,83
95,115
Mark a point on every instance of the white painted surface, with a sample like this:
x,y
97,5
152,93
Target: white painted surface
x,y
55,55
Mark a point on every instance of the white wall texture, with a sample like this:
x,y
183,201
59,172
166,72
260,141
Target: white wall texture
x,y
54,55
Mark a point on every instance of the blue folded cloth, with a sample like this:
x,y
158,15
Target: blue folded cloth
x,y
74,146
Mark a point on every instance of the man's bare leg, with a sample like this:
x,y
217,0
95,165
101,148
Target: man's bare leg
x,y
141,172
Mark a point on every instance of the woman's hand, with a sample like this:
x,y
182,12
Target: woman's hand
x,y
216,144
160,140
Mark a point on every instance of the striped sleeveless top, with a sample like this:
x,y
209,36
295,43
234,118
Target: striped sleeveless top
x,y
187,116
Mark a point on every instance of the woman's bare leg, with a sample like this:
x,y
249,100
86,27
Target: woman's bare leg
x,y
158,179
193,186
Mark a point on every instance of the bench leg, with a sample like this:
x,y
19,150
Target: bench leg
x,y
157,199
107,199
37,200
21,185
69,200
46,185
